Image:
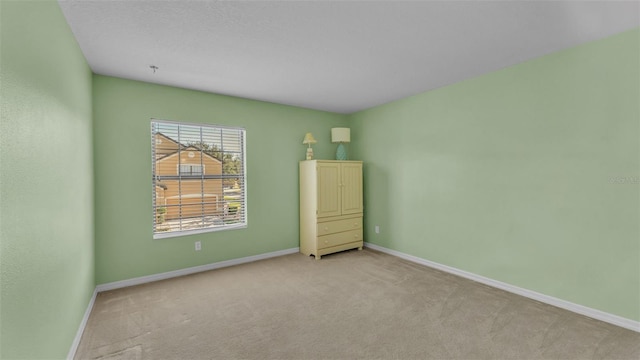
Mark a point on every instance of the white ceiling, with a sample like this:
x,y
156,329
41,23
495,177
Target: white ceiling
x,y
328,55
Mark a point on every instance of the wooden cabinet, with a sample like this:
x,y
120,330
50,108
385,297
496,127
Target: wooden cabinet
x,y
330,206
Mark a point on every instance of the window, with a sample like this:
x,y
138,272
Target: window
x,y
198,180
190,169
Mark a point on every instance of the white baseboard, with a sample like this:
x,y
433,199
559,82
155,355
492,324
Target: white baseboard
x,y
579,309
191,270
83,324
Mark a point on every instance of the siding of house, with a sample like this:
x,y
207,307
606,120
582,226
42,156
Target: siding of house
x,y
190,192
164,145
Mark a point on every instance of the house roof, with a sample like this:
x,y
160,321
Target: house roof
x,y
181,146
158,133
190,147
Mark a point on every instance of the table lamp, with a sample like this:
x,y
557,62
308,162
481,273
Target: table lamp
x,y
341,136
308,140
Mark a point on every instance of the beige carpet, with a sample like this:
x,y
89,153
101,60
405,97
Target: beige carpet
x,y
351,305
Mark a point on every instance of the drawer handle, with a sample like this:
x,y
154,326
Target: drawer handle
x,y
326,228
355,236
355,224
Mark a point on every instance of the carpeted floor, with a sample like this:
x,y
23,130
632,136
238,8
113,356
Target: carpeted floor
x,y
350,305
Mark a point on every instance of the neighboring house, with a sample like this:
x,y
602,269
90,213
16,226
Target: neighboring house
x,y
181,178
165,145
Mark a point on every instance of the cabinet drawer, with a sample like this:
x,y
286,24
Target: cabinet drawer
x,y
336,226
339,238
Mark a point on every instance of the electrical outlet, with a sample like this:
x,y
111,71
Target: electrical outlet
x,y
198,246
377,229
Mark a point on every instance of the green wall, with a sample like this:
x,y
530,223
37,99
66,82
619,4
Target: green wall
x,y
122,143
46,182
528,175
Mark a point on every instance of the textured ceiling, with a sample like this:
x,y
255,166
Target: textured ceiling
x,y
334,56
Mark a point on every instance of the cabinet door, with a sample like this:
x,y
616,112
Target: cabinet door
x,y
351,176
329,203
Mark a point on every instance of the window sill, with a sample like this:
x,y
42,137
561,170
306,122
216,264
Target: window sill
x,y
164,235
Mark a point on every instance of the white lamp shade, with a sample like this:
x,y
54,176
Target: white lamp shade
x,y
341,135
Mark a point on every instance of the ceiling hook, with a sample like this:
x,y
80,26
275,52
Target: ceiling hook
x,y
154,68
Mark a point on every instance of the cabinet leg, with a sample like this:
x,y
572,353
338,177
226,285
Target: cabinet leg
x,y
360,248
318,257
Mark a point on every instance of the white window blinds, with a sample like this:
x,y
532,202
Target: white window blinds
x,y
198,178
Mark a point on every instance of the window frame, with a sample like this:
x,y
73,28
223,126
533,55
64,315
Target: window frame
x,y
178,233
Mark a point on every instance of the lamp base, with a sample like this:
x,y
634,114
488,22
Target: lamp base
x,y
309,153
341,152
